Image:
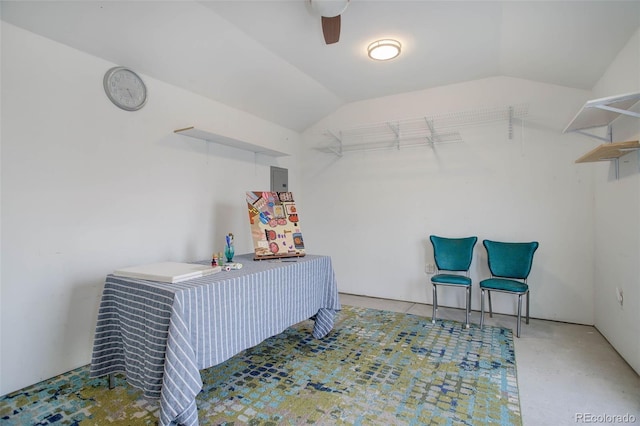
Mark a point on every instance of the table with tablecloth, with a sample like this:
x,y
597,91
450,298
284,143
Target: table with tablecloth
x,y
161,334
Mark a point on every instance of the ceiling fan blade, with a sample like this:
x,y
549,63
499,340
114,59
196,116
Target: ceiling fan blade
x,y
331,29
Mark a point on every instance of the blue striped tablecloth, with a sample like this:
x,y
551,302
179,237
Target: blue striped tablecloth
x,y
160,335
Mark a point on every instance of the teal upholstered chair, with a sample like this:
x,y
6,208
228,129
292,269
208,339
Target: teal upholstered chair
x,y
510,264
452,255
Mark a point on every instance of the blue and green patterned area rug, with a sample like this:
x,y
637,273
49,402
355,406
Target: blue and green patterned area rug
x,y
374,368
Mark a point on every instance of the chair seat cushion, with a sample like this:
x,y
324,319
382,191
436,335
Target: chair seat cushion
x,y
451,279
504,284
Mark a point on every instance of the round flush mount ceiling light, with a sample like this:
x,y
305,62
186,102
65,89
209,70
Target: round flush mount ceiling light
x,y
384,50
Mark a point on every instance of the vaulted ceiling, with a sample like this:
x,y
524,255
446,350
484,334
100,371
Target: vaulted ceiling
x,y
268,57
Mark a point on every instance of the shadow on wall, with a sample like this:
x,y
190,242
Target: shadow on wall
x,y
79,324
231,218
625,167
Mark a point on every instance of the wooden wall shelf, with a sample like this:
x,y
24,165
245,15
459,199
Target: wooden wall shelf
x,y
224,140
609,151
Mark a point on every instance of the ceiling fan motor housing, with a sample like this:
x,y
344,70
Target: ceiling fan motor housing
x,y
329,8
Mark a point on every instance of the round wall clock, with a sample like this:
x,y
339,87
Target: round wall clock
x,y
125,88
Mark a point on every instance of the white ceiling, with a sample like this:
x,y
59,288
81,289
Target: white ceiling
x,y
268,57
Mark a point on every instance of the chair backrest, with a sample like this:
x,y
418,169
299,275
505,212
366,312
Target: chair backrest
x,y
510,260
453,254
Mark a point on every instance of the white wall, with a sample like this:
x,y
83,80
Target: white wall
x,y
87,188
373,211
617,218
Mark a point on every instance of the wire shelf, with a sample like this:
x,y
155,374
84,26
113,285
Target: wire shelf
x,y
423,131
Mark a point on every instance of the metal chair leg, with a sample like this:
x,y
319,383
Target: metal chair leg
x,y
481,308
468,308
490,307
527,307
435,304
519,315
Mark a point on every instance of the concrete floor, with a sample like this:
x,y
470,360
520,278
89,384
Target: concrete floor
x,y
568,374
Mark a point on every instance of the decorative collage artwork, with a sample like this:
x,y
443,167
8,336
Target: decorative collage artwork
x,y
275,225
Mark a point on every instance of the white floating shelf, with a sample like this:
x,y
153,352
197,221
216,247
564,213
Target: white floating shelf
x,y
224,140
601,112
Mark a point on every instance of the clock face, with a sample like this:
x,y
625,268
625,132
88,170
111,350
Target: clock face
x,y
125,88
